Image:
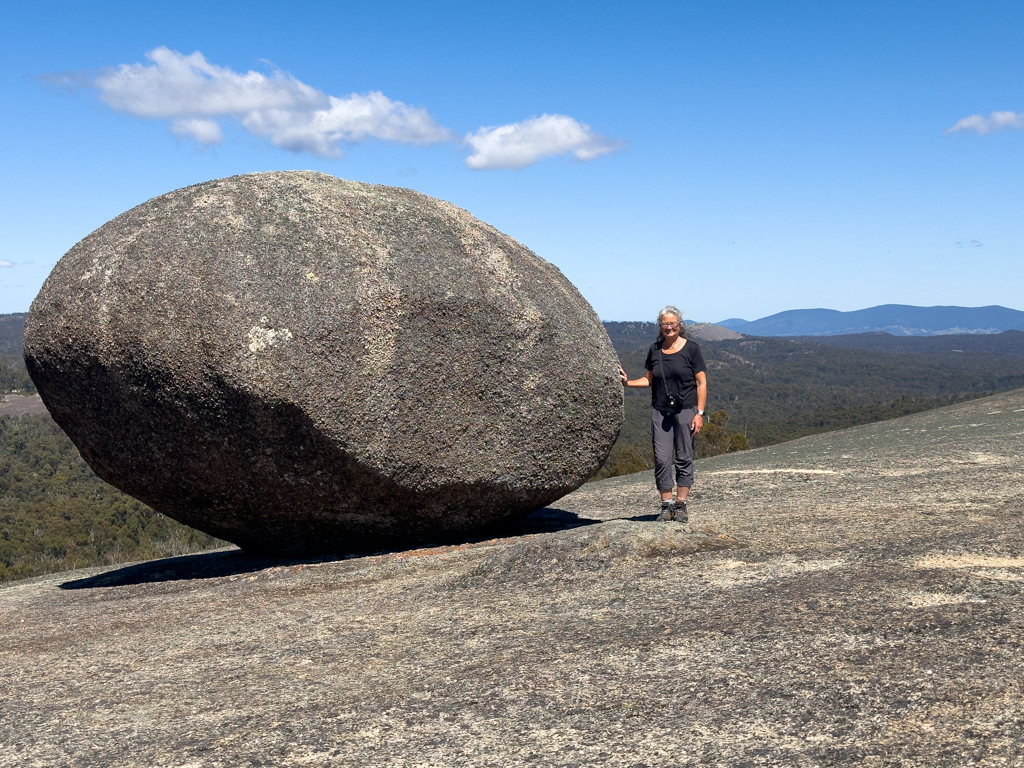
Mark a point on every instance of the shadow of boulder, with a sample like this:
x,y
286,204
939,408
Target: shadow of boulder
x,y
232,562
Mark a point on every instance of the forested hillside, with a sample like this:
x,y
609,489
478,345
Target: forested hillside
x,y
13,376
12,332
55,514
1005,343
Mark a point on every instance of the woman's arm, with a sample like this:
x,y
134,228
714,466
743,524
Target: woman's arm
x,y
702,399
641,382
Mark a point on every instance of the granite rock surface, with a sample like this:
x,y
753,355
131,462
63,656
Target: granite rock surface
x,y
297,363
874,616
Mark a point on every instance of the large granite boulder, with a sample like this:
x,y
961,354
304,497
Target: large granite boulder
x,y
297,363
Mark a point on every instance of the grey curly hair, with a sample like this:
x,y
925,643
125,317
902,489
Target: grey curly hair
x,y
670,310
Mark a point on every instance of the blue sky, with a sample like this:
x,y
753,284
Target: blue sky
x,y
734,159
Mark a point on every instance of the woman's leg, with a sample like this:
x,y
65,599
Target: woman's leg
x,y
683,444
662,439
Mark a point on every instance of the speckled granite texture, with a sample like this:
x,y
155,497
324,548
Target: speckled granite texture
x,y
296,363
872,616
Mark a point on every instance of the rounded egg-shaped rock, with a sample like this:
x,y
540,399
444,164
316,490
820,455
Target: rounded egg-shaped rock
x,y
297,363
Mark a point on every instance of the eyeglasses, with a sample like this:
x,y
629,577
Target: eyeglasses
x,y
669,325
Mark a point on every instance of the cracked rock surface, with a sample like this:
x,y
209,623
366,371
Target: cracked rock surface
x,y
297,363
852,598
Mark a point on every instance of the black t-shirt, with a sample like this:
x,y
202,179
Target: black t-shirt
x,y
680,371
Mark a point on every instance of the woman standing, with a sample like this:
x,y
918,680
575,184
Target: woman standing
x,y
676,371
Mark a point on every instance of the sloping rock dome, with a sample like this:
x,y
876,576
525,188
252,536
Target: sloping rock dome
x,y
297,363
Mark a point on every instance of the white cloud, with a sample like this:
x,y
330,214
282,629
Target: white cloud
x,y
518,145
997,121
6,264
192,92
351,119
203,131
197,96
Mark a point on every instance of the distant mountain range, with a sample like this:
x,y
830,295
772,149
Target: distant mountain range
x,y
895,319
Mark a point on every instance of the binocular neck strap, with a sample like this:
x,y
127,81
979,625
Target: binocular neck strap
x,y
664,383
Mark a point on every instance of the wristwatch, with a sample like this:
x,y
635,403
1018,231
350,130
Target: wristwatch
x,y
701,414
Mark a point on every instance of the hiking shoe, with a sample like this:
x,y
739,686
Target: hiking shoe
x,y
667,511
680,512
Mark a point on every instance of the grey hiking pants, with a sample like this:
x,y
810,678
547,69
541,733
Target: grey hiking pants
x,y
668,433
